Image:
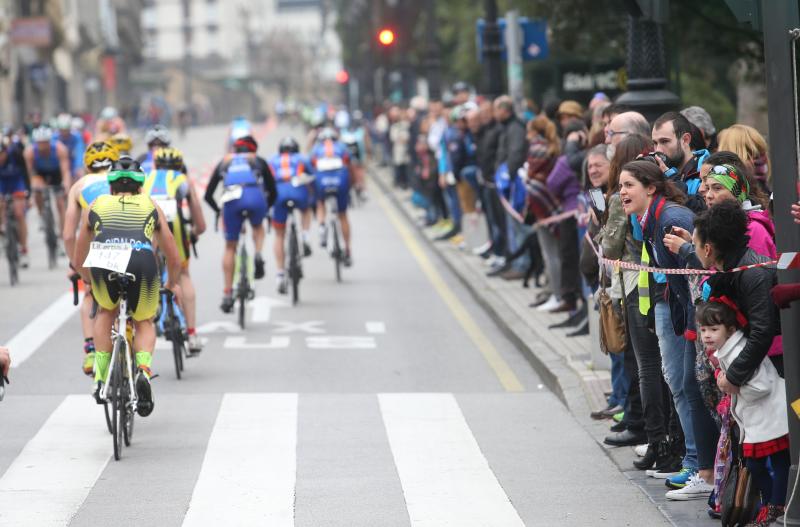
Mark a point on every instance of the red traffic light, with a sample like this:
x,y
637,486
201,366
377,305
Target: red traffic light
x,y
342,76
386,37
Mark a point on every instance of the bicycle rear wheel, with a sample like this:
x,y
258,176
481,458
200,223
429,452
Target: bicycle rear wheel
x,y
117,403
107,412
12,250
294,265
50,236
337,250
129,414
177,348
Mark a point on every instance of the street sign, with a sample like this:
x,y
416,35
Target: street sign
x,y
31,31
533,42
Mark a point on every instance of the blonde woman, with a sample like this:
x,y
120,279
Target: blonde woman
x,y
751,147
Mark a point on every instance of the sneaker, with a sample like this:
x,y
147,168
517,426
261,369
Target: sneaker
x,y
323,236
347,261
551,303
663,474
227,304
681,479
195,345
259,261
97,388
24,260
694,489
767,515
306,250
641,450
144,392
618,417
447,235
88,363
282,286
478,251
458,240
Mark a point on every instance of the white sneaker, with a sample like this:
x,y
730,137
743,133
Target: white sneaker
x,y
495,261
477,251
695,489
195,344
640,450
653,473
24,260
552,303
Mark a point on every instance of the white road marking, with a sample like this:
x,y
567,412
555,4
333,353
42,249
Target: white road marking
x,y
37,331
278,342
376,327
340,342
262,307
306,327
250,467
446,479
50,479
218,326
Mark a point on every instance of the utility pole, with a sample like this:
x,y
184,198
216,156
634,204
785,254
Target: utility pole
x,y
492,51
516,87
187,57
433,63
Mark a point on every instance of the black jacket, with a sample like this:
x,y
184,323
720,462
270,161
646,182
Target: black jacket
x,y
488,142
513,145
750,291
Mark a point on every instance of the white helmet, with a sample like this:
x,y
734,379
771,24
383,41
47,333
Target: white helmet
x,y
157,133
77,123
42,134
109,112
64,121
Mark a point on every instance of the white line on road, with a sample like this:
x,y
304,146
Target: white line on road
x,y
278,342
250,467
217,326
445,478
37,331
262,307
50,479
340,342
376,327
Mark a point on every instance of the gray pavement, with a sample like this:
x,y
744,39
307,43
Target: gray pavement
x,y
428,415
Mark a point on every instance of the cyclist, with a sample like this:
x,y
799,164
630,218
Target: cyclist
x,y
169,187
98,159
48,165
14,182
108,124
331,162
155,138
286,165
240,127
73,140
246,177
354,136
123,143
128,216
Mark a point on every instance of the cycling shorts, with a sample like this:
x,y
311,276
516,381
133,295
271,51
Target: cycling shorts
x,y
253,202
12,185
142,294
338,183
288,192
51,178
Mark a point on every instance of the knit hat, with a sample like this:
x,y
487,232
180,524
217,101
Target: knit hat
x,y
736,184
572,108
700,118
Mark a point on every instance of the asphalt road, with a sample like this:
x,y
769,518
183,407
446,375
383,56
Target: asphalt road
x,y
389,399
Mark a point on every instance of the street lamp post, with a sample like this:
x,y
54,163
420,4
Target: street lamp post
x,y
647,71
432,61
492,51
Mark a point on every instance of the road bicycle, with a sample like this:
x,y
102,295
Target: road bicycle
x,y
243,274
12,241
293,253
119,388
49,223
334,230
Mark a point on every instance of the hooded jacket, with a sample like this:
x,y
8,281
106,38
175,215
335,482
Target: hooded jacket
x,y
563,184
760,406
761,231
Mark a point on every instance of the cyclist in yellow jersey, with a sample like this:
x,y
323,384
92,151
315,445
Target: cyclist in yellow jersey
x,y
122,142
97,159
169,187
128,216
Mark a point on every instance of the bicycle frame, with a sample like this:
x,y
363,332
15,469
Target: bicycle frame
x,y
118,334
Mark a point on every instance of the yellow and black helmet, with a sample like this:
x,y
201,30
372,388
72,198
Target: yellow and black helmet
x,y
168,158
100,155
122,142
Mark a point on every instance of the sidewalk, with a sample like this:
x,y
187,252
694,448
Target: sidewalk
x,y
564,364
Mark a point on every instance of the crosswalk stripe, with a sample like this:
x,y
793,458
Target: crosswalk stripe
x,y
446,479
249,471
49,480
38,330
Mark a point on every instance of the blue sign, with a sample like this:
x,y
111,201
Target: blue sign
x,y
534,38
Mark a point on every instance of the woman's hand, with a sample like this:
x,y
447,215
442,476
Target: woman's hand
x,y
796,212
673,243
725,385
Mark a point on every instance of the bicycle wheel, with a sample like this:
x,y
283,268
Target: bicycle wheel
x,y
337,250
243,289
129,414
294,265
242,298
177,349
12,250
117,402
107,412
51,239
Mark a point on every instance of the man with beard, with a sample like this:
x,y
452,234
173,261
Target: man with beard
x,y
672,137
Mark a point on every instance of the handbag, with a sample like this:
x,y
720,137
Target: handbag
x,y
613,323
740,497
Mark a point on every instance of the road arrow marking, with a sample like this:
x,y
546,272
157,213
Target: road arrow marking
x,y
306,327
262,307
279,342
219,326
340,342
376,327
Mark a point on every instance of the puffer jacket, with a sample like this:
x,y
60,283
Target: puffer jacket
x,y
761,231
750,291
760,406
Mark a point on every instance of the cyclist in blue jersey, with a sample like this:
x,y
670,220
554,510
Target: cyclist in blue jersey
x,y
246,179
240,127
155,138
48,165
357,141
14,182
288,165
331,161
73,140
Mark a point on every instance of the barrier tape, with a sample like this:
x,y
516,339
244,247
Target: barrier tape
x,y
557,218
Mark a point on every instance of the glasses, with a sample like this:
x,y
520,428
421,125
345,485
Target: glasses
x,y
612,133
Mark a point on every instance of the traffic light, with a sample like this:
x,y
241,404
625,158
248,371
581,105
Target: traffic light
x,y
386,37
342,76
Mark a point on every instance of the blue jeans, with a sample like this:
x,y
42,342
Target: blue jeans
x,y
451,195
620,383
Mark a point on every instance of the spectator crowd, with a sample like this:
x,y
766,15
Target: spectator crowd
x,y
698,384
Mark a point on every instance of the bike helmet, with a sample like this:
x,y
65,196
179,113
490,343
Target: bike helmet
x,y
328,133
169,158
64,121
288,146
158,133
100,154
122,142
109,112
77,123
245,144
358,117
42,134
